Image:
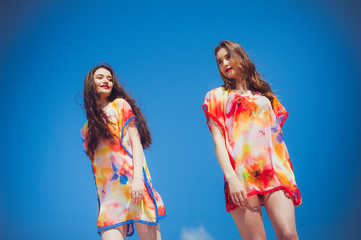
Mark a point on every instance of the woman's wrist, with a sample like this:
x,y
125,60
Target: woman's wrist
x,y
231,177
137,177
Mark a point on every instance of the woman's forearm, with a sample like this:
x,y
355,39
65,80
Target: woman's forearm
x,y
138,153
224,162
221,151
137,187
138,162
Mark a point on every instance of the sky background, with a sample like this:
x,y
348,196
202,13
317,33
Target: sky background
x,y
162,53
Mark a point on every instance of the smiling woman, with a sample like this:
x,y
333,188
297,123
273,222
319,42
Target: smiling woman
x,y
103,82
114,136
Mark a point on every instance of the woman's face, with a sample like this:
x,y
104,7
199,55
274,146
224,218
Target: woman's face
x,y
227,66
103,81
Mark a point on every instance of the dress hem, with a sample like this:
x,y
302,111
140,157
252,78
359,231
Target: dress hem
x,y
296,203
131,222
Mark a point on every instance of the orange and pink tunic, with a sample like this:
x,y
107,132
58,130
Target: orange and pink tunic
x,y
113,172
254,142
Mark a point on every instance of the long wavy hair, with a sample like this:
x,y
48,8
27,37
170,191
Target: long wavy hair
x,y
252,78
97,119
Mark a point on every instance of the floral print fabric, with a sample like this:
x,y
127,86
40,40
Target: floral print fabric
x,y
113,171
254,141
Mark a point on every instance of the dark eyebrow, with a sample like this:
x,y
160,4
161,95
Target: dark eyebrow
x,y
102,75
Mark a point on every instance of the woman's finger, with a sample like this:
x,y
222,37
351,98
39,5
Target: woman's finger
x,y
240,199
136,196
139,196
245,198
236,200
132,196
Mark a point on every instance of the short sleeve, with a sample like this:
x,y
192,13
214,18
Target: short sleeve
x,y
124,111
126,118
280,111
214,107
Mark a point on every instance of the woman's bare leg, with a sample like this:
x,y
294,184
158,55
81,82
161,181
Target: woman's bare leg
x,y
281,211
118,233
148,232
249,220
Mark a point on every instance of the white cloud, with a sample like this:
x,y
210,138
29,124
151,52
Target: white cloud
x,y
198,233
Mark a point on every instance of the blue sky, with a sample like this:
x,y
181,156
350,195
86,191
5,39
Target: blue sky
x,y
162,52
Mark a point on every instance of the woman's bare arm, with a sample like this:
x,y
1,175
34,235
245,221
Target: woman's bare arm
x,y
236,188
137,187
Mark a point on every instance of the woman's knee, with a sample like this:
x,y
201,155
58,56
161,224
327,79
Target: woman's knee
x,y
258,236
148,231
288,233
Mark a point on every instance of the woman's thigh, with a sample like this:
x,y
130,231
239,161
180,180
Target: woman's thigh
x,y
281,211
118,233
148,232
249,220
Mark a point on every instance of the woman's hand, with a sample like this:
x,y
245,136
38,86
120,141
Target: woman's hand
x,y
237,191
137,190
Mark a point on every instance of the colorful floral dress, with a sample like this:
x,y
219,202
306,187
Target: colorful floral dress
x,y
113,171
254,141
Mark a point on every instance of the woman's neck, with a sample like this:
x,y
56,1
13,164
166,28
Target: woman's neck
x,y
104,102
241,85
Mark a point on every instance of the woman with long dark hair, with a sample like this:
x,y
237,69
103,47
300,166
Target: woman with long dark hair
x,y
114,137
245,119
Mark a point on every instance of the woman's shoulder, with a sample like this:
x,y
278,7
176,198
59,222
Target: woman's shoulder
x,y
118,102
217,92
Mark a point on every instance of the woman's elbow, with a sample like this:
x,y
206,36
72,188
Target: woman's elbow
x,y
218,144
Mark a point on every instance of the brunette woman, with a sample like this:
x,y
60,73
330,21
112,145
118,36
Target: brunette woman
x,y
114,137
245,119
